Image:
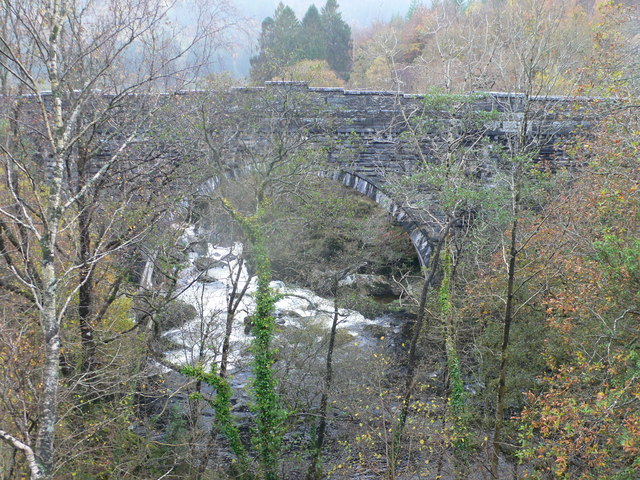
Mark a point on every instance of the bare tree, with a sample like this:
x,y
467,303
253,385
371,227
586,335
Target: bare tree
x,y
103,65
542,50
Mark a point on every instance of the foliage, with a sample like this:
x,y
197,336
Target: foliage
x,y
584,424
578,46
329,228
84,196
221,405
314,72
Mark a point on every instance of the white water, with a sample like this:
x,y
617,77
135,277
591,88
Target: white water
x,y
200,340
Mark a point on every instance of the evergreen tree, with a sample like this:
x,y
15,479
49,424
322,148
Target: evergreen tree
x,y
285,41
261,67
338,36
279,44
313,39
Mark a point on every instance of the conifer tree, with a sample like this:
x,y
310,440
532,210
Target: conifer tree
x,y
260,66
313,38
339,42
279,44
284,41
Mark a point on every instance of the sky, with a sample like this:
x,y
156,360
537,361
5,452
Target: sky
x,y
355,12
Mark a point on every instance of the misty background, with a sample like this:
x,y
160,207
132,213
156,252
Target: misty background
x,y
357,13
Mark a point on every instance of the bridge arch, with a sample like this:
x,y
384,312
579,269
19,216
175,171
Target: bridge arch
x,y
418,234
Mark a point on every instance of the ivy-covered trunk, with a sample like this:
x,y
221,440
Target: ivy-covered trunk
x,y
458,435
270,415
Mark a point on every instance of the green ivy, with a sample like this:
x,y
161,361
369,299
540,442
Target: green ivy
x,y
457,397
221,405
270,415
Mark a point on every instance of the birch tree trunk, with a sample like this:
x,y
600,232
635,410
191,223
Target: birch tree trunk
x,y
45,445
314,472
91,57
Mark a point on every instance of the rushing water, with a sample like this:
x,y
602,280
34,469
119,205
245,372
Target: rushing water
x,y
207,284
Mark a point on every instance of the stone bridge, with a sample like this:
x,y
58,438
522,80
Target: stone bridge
x,y
363,137
368,136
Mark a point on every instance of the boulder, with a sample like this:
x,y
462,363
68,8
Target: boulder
x,y
284,313
373,285
175,314
203,264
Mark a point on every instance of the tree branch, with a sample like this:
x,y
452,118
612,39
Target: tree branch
x,y
36,473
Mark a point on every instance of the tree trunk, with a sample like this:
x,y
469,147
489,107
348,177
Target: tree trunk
x,y
508,318
314,471
455,409
34,467
413,355
48,405
520,148
85,293
232,306
50,374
